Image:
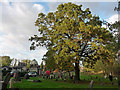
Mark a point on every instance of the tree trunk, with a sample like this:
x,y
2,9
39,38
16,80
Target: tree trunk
x,y
77,72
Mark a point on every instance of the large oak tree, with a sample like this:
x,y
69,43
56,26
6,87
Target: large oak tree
x,y
74,35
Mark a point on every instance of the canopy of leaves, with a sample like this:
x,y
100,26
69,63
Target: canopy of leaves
x,y
5,60
49,60
74,34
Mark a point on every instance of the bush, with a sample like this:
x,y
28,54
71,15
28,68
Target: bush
x,y
4,72
22,74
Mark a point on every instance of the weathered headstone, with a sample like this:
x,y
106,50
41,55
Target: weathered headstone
x,y
54,76
91,85
17,76
56,79
11,83
36,80
59,74
40,73
65,79
115,78
71,77
105,76
63,75
30,80
111,78
6,81
51,76
26,76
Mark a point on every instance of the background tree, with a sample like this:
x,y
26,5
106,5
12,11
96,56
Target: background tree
x,y
27,62
106,67
41,65
116,31
72,33
5,60
49,60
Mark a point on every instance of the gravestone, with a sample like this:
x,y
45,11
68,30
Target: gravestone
x,y
105,76
62,76
11,83
6,81
71,77
51,77
91,85
40,73
26,76
54,76
65,79
110,78
36,80
17,76
115,78
56,79
59,74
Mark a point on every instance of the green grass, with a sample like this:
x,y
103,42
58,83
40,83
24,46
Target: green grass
x,y
99,78
48,83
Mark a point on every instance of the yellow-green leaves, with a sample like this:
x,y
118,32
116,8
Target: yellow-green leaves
x,y
87,10
73,32
41,15
5,60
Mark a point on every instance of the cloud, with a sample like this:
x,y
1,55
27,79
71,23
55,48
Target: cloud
x,y
113,18
102,9
17,25
38,7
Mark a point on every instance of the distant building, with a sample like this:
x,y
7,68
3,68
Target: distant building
x,y
22,66
33,65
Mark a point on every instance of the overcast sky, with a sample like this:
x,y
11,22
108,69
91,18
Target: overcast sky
x,y
17,24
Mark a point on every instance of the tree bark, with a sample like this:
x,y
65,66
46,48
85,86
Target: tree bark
x,y
77,72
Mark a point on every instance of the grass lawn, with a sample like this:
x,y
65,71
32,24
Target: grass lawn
x,y
48,83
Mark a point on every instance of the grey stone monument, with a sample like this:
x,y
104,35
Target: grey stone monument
x,y
91,85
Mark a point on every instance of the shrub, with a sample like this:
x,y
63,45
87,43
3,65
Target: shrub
x,y
4,72
23,73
